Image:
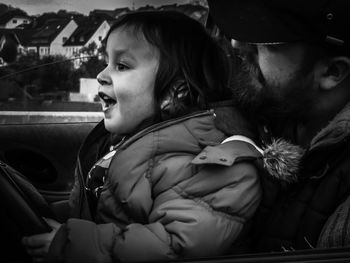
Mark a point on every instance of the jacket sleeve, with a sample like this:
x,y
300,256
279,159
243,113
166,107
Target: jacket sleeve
x,y
194,216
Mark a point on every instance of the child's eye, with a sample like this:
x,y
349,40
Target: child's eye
x,y
122,67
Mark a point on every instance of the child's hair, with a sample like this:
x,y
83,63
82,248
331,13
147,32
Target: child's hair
x,y
193,67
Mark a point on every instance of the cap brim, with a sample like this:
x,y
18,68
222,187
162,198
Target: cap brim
x,y
251,21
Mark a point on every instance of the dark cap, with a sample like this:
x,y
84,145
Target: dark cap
x,y
280,21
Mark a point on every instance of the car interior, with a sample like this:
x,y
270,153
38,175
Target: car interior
x,y
37,164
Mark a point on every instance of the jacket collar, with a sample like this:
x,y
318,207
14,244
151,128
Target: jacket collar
x,y
231,121
326,146
162,125
336,131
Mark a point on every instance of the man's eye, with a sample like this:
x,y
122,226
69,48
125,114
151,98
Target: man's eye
x,y
122,67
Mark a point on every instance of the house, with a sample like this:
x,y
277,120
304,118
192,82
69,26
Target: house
x,y
24,37
87,92
50,38
14,18
86,39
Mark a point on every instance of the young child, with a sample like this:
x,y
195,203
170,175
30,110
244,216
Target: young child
x,y
168,188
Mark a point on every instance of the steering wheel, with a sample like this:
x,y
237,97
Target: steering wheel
x,y
22,202
22,208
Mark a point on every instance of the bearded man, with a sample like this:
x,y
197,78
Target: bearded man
x,y
294,83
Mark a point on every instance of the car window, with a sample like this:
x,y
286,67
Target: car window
x,y
52,86
49,89
50,59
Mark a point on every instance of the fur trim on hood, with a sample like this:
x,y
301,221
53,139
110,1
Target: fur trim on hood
x,y
282,160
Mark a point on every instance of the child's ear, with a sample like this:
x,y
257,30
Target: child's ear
x,y
334,72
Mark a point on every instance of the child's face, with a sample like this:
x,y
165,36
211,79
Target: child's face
x,y
127,83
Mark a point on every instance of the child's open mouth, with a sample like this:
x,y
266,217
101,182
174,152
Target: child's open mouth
x,y
106,101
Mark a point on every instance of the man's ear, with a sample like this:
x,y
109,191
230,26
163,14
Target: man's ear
x,y
335,71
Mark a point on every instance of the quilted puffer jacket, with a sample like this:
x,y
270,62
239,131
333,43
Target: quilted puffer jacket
x,y
170,191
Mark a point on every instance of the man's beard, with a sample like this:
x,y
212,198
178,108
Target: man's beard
x,y
269,103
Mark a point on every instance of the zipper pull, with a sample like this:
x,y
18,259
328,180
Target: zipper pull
x,y
115,147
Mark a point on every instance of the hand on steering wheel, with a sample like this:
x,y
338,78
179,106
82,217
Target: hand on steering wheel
x,y
37,246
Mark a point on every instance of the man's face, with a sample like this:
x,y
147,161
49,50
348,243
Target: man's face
x,y
275,83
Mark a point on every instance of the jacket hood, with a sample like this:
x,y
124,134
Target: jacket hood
x,y
280,158
231,121
284,160
335,131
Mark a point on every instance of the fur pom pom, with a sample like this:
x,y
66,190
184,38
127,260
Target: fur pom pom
x,y
281,160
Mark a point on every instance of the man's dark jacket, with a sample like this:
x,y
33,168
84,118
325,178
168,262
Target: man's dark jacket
x,y
292,217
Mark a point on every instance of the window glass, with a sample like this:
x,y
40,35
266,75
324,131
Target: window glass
x,y
54,74
39,87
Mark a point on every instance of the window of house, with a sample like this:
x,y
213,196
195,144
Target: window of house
x,y
14,21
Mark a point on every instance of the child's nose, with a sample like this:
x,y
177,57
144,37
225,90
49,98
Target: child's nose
x,y
103,79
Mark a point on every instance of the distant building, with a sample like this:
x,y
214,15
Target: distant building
x,y
49,39
25,37
87,92
13,19
72,34
86,39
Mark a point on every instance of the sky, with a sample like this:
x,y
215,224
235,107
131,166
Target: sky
x,y
35,7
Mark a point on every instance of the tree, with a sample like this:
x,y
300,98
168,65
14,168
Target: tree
x,y
203,3
48,74
16,76
92,65
90,50
57,74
